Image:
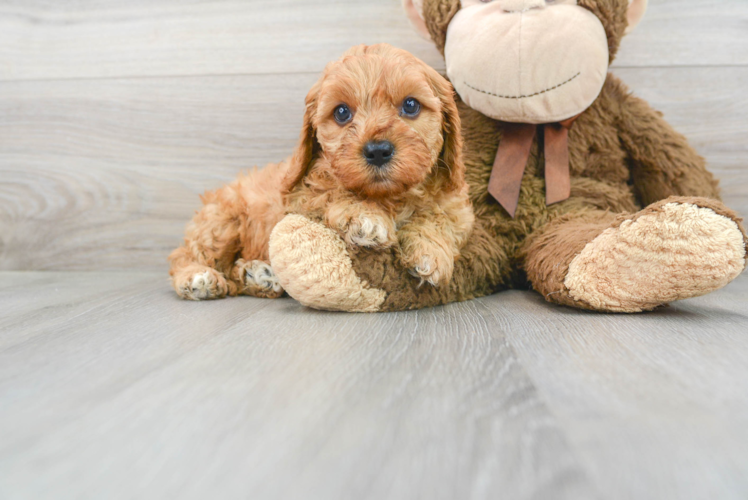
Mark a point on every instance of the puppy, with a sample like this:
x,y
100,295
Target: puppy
x,y
379,161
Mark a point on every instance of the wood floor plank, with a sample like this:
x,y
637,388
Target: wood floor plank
x,y
107,173
266,399
655,404
103,175
106,38
62,297
688,33
250,398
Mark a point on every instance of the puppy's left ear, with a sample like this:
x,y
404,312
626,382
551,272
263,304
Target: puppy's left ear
x,y
308,147
451,155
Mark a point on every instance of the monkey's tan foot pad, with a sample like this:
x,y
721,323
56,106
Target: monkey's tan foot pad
x,y
669,251
313,266
257,279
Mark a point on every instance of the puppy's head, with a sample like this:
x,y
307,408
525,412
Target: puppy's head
x,y
383,122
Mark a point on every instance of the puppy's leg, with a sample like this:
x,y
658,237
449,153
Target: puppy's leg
x,y
234,223
361,224
431,260
210,246
432,238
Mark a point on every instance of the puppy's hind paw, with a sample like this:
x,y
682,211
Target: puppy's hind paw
x,y
257,279
206,284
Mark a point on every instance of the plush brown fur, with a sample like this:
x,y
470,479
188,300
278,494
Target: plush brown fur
x,y
417,204
623,157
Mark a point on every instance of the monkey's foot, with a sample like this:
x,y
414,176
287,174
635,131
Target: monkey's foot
x,y
313,266
675,249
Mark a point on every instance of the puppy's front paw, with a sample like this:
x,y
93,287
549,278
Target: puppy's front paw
x,y
431,264
256,278
205,284
369,231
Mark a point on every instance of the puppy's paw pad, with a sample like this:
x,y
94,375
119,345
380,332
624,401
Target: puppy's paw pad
x,y
262,275
259,279
203,286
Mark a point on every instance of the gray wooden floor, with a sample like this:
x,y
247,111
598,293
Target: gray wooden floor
x,y
115,115
111,387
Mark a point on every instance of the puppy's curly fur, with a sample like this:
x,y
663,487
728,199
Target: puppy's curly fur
x,y
417,200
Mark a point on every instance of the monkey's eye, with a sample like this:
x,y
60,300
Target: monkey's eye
x,y
342,114
411,107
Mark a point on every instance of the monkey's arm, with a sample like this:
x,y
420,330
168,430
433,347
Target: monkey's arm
x,y
662,162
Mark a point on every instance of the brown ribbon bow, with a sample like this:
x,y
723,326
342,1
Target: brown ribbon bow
x,y
512,156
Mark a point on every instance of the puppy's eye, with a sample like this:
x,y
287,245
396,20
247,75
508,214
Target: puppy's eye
x,y
342,114
411,107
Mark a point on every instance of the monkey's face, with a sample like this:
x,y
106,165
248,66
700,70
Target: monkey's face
x,y
526,61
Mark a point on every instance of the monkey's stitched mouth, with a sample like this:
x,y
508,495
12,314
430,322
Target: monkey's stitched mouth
x,y
524,96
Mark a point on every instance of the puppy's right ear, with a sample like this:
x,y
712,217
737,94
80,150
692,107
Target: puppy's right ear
x,y
414,10
308,147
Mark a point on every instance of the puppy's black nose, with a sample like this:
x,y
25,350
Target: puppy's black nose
x,y
378,153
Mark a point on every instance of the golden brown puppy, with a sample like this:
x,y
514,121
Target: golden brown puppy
x,y
379,161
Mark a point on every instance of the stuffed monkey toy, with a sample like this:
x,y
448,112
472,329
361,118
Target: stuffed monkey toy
x,y
581,191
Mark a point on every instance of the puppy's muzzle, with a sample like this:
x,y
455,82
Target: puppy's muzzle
x,y
378,153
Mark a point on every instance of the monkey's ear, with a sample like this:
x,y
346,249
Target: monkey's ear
x,y
308,147
414,9
636,11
